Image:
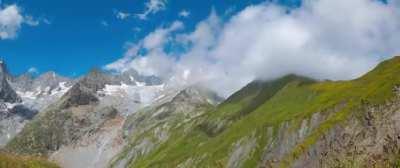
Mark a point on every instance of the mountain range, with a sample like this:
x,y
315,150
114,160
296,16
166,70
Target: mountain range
x,y
107,119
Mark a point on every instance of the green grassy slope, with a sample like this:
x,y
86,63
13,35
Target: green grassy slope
x,y
13,161
263,105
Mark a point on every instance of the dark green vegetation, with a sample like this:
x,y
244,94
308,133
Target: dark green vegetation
x,y
13,161
252,118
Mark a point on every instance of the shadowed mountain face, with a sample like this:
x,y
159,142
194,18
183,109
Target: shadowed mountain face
x,y
7,93
4,73
87,114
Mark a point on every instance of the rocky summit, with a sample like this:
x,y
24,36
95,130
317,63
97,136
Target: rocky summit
x,y
7,93
108,119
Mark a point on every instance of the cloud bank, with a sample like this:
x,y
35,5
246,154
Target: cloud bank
x,y
323,39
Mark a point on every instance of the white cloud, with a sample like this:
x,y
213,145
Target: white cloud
x,y
122,15
31,21
184,13
152,7
156,61
33,70
323,39
11,20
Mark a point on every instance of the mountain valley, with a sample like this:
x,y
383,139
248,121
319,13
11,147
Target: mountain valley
x,y
128,120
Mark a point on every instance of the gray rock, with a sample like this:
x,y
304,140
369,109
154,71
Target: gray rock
x,y
7,93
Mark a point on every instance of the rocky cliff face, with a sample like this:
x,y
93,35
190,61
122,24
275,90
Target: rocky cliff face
x,y
83,127
7,93
148,129
370,139
367,138
39,92
24,96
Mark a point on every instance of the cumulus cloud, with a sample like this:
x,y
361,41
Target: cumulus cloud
x,y
152,7
323,39
11,20
148,55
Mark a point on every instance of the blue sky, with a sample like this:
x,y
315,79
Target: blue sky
x,y
222,43
86,34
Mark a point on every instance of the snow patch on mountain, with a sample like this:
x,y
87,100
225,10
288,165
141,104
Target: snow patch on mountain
x,y
41,97
129,98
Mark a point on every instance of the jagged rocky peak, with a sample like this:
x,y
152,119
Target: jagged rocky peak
x,y
78,95
27,76
84,91
198,94
7,93
4,73
49,76
45,82
96,80
133,77
50,79
23,82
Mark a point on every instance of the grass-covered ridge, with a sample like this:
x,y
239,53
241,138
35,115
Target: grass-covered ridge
x,y
263,105
14,161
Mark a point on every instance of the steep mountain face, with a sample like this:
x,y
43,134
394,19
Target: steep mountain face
x,y
24,96
75,115
13,113
4,73
23,82
151,127
83,128
289,122
132,77
39,92
7,93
